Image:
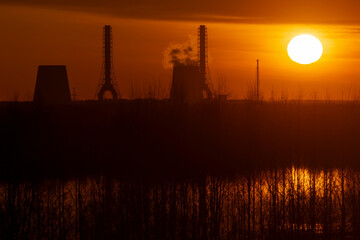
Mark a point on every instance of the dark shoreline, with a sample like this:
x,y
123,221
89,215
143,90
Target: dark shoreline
x,y
157,138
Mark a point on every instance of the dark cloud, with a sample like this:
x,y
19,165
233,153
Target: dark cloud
x,y
264,11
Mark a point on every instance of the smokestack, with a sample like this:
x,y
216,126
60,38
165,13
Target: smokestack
x,y
202,58
202,52
107,81
52,86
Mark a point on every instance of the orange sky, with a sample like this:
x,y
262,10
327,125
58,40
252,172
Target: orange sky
x,y
42,34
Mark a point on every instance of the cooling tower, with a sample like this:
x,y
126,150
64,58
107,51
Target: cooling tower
x,y
52,86
186,84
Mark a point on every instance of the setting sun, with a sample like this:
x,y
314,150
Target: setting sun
x,y
305,49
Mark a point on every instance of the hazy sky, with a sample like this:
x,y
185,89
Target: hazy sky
x,y
69,33
285,11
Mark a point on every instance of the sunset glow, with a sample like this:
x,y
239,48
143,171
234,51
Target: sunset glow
x,y
186,119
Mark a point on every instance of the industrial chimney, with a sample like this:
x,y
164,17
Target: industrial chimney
x,y
190,81
52,86
203,60
107,81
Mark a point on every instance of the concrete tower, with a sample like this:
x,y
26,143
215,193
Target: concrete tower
x,y
107,81
52,86
186,84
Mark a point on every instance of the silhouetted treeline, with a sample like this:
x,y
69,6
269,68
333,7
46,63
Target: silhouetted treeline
x,y
283,203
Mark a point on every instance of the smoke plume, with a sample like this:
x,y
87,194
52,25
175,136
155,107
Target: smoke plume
x,y
180,54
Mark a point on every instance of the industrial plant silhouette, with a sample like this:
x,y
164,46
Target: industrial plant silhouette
x,y
108,81
194,166
189,82
52,86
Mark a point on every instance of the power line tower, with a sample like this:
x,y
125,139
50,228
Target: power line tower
x,y
107,81
203,60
